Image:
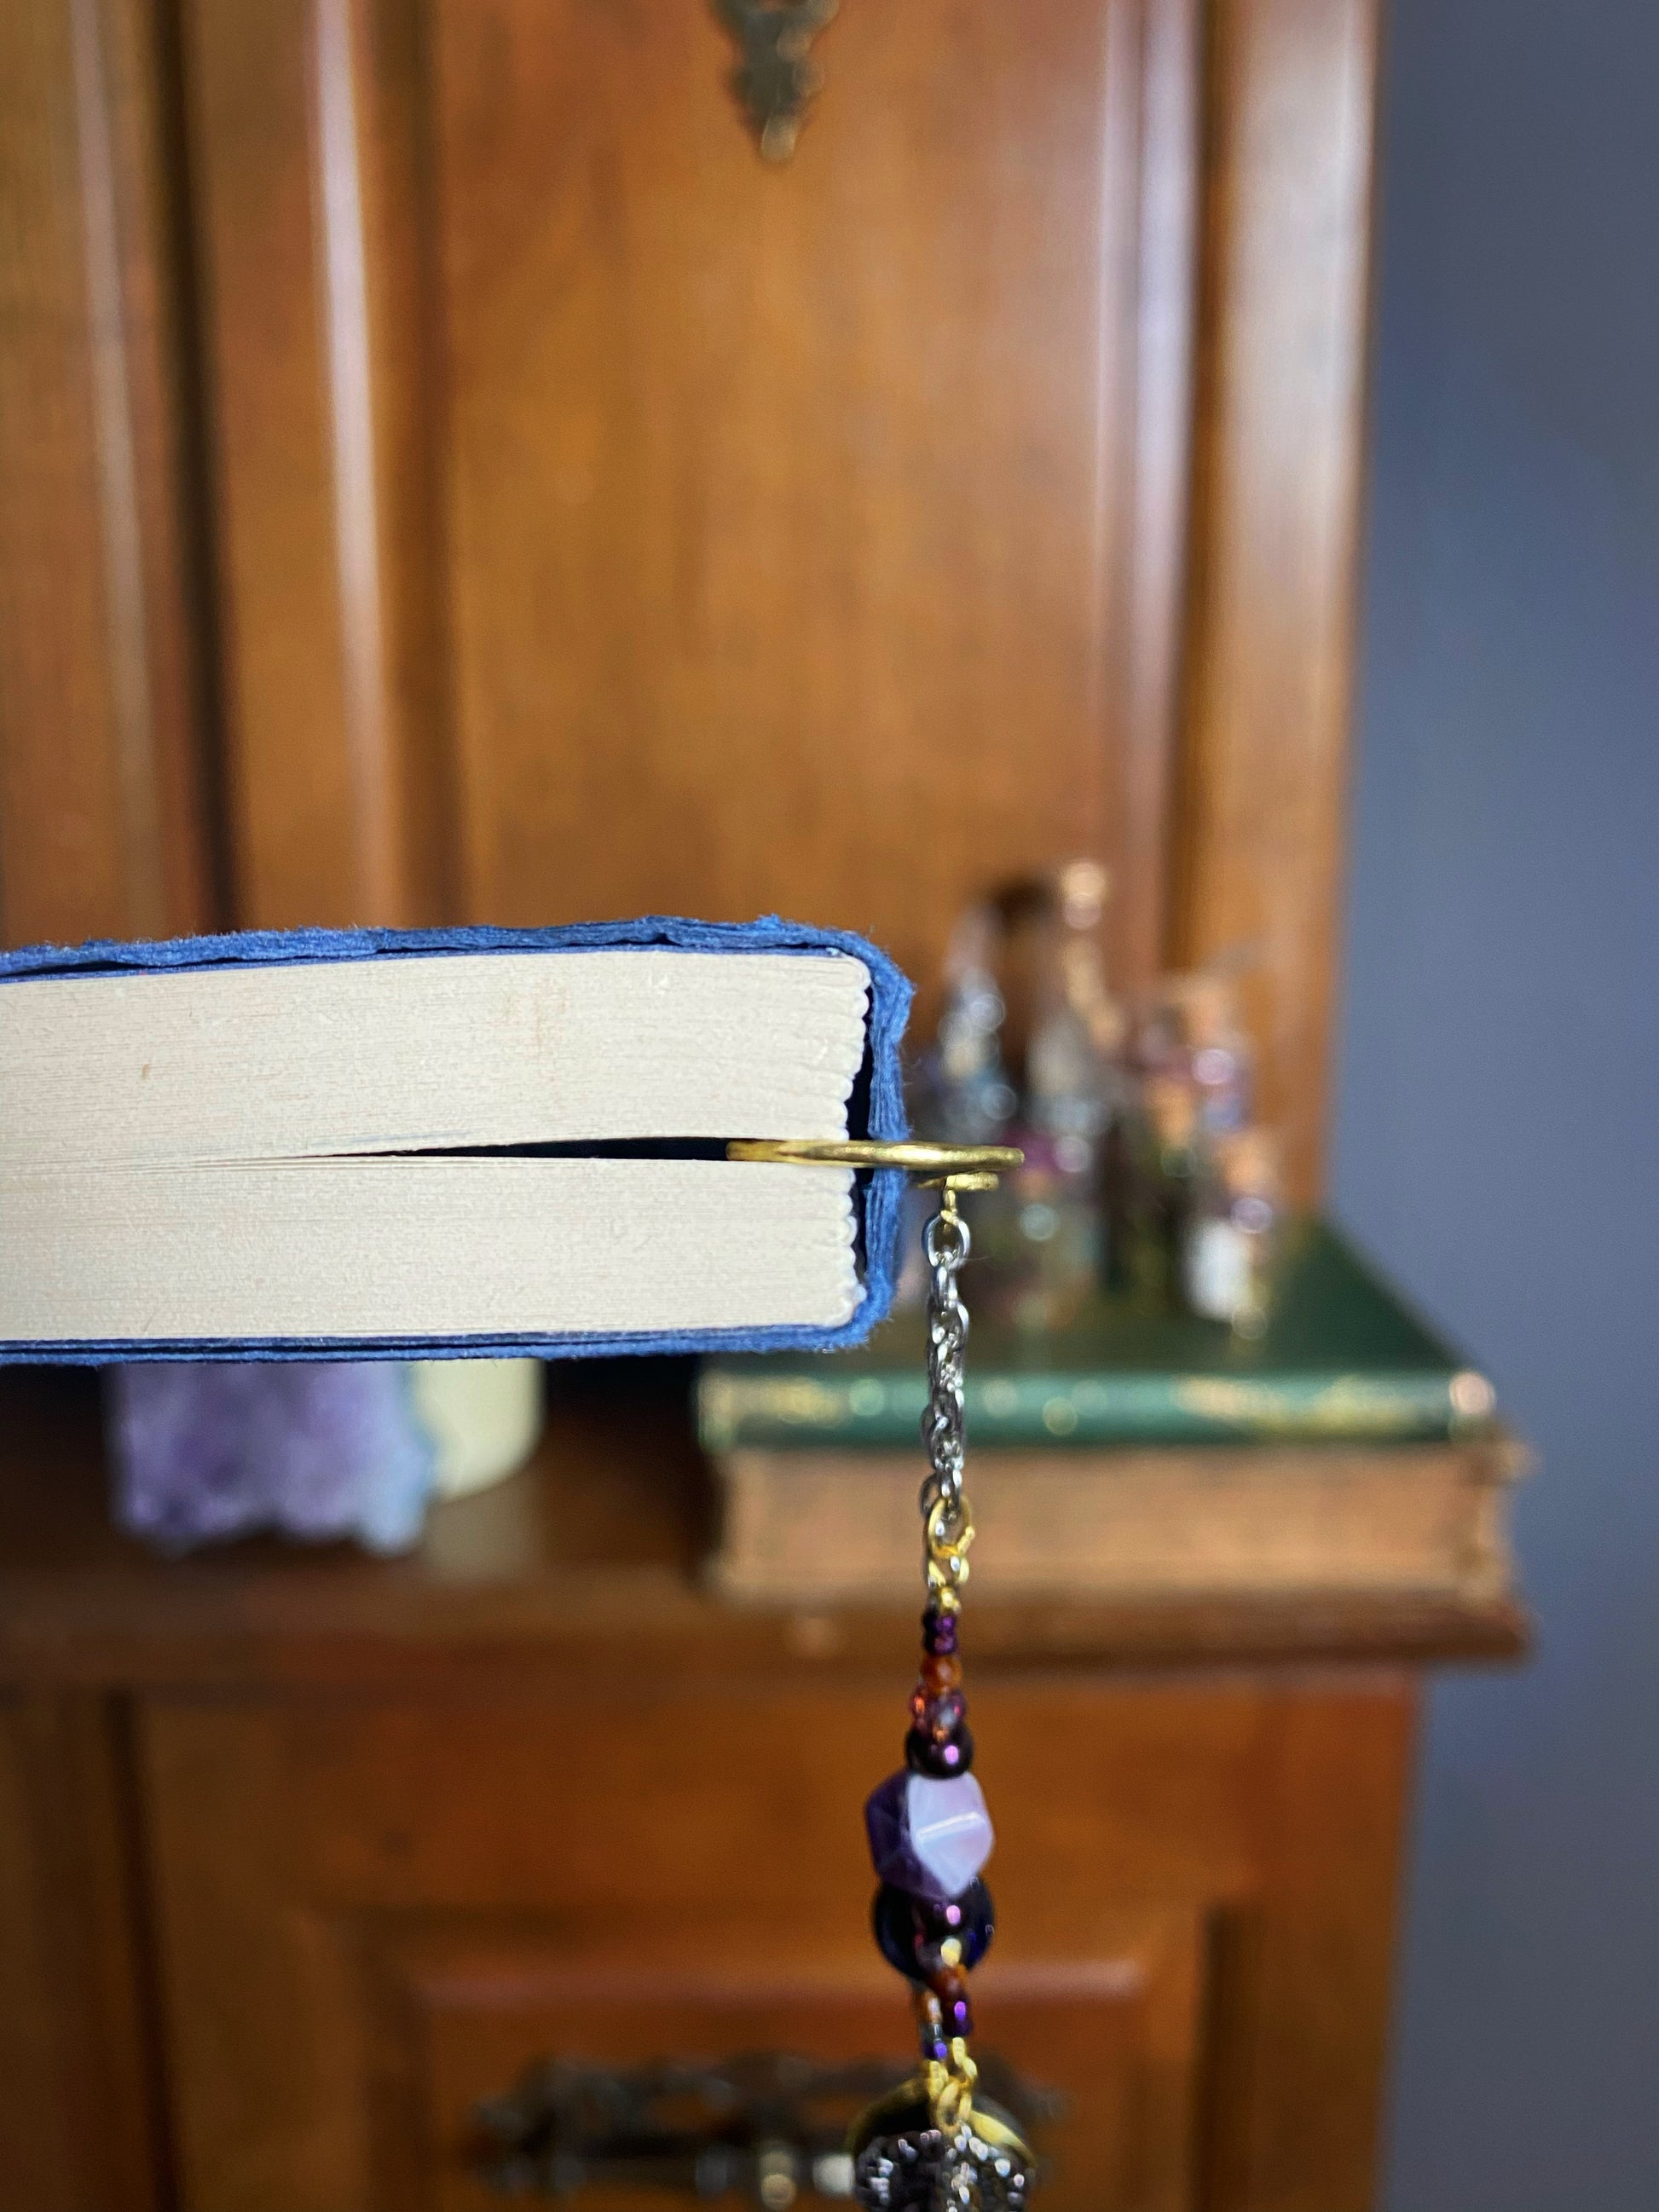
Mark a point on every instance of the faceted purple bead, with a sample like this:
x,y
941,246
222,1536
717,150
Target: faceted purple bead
x,y
927,1836
887,1824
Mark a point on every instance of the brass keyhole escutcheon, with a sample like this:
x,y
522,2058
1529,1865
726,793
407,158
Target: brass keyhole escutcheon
x,y
777,77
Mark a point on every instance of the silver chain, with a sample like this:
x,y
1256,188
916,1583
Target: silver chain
x,y
943,1510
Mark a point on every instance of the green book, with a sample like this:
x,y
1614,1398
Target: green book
x,y
1341,1360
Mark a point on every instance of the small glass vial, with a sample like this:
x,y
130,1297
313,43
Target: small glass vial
x,y
966,1097
1168,1174
1193,1032
1075,1061
1050,1218
959,1093
1229,1237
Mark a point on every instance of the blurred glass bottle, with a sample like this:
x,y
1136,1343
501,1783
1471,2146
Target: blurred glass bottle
x,y
1166,1169
1191,1033
966,1097
1228,1235
1050,1222
961,1094
1074,1059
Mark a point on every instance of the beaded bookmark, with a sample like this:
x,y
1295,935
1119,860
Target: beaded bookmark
x,y
934,2145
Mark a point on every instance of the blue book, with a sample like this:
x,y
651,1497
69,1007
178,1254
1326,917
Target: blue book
x,y
405,1144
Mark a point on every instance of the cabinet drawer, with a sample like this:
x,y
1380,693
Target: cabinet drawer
x,y
375,1912
468,2008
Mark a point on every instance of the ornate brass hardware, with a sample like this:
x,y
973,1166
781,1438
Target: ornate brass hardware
x,y
776,77
768,2126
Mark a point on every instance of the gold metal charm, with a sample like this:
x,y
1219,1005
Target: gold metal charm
x,y
911,2155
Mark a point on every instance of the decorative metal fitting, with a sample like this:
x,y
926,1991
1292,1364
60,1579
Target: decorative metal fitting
x,y
776,79
946,1167
768,2126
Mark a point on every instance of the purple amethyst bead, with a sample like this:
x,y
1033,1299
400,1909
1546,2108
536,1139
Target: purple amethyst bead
x,y
938,1633
927,1836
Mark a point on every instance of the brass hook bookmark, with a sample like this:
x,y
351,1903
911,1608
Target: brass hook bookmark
x,y
950,1167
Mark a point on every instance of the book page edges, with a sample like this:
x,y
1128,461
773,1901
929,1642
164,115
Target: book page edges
x,y
431,1250
427,1053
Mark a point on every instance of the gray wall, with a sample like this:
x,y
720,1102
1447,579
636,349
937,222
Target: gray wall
x,y
1498,1141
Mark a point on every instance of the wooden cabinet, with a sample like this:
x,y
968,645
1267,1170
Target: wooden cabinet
x,y
445,474
450,475
303,1858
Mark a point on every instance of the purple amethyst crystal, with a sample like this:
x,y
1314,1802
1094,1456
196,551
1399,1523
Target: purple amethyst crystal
x,y
928,1837
318,1449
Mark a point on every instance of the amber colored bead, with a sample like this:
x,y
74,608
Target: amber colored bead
x,y
937,1716
940,1717
940,1673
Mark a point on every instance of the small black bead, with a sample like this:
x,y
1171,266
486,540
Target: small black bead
x,y
909,1930
971,1918
893,1924
939,1757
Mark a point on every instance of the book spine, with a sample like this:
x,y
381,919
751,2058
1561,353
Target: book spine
x,y
877,1412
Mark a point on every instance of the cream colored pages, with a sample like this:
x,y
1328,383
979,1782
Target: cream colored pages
x,y
425,1052
186,1156
431,1248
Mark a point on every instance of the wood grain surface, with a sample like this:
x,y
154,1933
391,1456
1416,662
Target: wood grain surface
x,y
1278,465
443,473
594,1554
373,1911
451,476
373,1834
790,531
106,811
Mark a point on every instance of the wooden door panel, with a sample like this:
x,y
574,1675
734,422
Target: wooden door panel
x,y
78,2114
105,813
783,502
612,520
37,2120
374,1910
